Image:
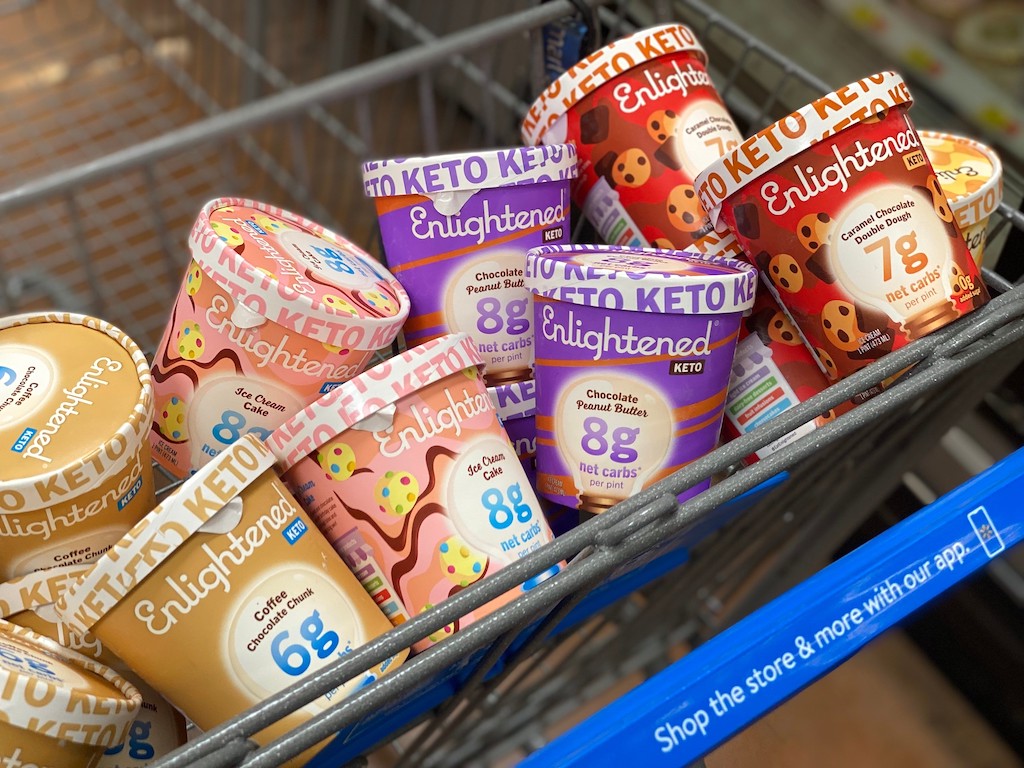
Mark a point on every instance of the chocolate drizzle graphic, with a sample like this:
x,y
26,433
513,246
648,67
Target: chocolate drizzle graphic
x,y
405,542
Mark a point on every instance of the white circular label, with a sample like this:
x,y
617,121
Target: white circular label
x,y
491,504
291,623
488,300
705,132
329,260
891,251
225,408
26,376
612,433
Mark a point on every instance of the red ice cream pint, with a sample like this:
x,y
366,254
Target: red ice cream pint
x,y
645,119
839,206
274,311
773,371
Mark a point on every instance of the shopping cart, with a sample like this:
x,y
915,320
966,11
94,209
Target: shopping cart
x,y
162,105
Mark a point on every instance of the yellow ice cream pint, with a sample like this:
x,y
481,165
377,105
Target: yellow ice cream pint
x,y
28,602
226,594
76,404
971,176
58,709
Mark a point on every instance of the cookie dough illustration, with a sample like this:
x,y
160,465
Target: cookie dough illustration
x,y
396,493
193,279
171,420
191,344
230,234
337,460
460,562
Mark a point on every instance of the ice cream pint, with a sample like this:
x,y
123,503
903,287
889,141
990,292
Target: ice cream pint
x,y
28,602
226,594
517,408
274,311
76,402
838,205
58,709
412,455
772,372
971,176
456,229
634,350
645,119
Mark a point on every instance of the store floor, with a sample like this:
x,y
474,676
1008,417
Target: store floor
x,y
887,707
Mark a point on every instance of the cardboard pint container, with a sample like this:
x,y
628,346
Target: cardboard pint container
x,y
772,372
76,402
839,206
412,456
28,601
634,351
226,594
645,119
971,175
274,310
456,229
58,709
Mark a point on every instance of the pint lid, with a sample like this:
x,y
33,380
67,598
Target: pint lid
x,y
154,538
602,65
435,175
291,270
788,137
969,172
76,404
641,279
74,698
371,391
36,589
517,400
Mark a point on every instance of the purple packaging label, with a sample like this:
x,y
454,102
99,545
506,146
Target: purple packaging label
x,y
625,398
522,432
465,272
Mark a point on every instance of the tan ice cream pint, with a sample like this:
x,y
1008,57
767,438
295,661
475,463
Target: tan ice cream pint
x,y
76,404
226,594
28,602
58,709
971,176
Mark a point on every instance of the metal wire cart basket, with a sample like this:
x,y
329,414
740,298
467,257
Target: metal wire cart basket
x,y
122,118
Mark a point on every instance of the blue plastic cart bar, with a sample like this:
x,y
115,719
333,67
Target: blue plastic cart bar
x,y
685,711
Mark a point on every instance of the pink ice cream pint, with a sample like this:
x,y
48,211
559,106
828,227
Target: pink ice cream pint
x,y
634,352
274,311
456,229
413,456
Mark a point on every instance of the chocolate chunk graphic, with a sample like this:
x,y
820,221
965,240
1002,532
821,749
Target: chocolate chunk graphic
x,y
747,224
594,125
818,265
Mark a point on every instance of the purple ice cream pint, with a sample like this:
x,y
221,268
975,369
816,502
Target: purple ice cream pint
x,y
634,351
516,404
456,229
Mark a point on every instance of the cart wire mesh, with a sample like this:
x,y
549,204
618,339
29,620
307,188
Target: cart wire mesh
x,y
123,118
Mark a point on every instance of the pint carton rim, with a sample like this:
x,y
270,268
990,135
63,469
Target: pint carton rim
x,y
963,205
496,168
33,590
817,121
134,430
64,703
556,260
547,109
373,390
222,263
155,538
521,405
